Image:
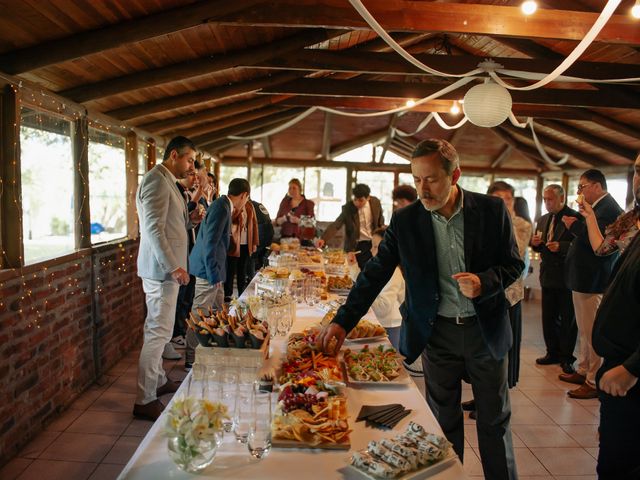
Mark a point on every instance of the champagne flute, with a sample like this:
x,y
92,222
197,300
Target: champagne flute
x,y
259,439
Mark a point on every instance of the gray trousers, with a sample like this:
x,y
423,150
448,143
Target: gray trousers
x,y
452,351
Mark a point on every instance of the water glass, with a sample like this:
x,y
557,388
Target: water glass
x,y
196,381
228,394
243,412
259,439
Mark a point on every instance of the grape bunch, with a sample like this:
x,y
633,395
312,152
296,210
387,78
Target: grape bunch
x,y
297,401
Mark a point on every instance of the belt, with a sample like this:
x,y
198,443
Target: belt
x,y
458,320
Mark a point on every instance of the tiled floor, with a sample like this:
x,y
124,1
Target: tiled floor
x,y
554,436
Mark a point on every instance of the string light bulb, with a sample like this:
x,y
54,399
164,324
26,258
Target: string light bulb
x,y
410,103
635,10
529,7
455,108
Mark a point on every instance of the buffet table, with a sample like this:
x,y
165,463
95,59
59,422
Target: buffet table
x,y
151,461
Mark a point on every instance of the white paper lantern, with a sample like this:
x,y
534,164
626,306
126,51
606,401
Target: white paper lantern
x,y
487,104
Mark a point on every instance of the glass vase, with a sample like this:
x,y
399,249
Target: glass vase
x,y
192,458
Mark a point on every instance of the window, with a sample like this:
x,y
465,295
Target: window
x,y
475,183
526,188
107,186
369,153
406,179
327,188
228,173
617,187
381,185
46,156
275,184
143,157
256,183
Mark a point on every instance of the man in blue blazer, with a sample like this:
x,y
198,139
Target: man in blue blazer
x,y
458,254
587,275
208,259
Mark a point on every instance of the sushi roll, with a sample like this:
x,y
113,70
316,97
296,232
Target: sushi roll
x,y
392,458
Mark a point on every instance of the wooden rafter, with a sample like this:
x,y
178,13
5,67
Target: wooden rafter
x,y
112,36
397,90
390,134
376,137
589,138
560,146
325,151
502,156
400,15
393,64
230,121
194,68
528,152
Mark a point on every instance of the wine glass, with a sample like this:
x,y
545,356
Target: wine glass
x,y
259,439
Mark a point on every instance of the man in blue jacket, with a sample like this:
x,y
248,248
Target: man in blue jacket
x,y
208,259
458,254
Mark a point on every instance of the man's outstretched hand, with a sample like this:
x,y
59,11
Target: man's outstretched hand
x,y
326,338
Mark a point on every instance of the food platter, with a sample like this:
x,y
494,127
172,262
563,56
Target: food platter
x,y
378,366
420,474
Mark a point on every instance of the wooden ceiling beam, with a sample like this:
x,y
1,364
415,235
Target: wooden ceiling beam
x,y
502,156
358,88
608,122
113,36
393,64
589,138
560,146
195,68
380,167
531,154
404,16
441,106
184,121
230,121
325,150
220,92
215,134
376,137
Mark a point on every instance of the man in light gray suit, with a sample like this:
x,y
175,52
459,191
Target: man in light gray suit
x,y
162,265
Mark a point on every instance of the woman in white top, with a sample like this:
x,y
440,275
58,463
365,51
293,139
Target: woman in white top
x,y
387,305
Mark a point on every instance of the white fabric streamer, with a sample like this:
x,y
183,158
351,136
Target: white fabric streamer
x,y
376,27
591,35
278,129
444,125
562,78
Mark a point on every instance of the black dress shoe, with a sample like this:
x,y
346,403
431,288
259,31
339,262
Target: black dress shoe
x,y
468,406
567,368
547,360
150,411
473,415
169,387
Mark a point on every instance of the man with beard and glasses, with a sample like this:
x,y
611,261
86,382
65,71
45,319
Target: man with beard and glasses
x,y
458,254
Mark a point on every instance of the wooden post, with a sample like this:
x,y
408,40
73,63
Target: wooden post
x,y
249,159
81,208
131,162
10,181
630,193
151,153
565,186
539,189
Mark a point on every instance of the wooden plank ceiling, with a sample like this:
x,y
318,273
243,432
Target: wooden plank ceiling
x,y
212,69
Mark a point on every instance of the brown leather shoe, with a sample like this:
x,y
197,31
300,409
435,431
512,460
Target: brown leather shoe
x,y
150,411
169,387
572,378
583,392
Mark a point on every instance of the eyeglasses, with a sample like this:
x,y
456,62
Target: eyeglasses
x,y
581,186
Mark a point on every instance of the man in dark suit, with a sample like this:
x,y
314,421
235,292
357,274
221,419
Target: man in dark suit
x,y
587,276
265,234
361,217
208,259
552,240
458,254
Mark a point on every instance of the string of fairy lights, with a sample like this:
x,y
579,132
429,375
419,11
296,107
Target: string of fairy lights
x,y
31,306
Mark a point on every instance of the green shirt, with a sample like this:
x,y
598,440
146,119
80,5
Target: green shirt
x,y
449,238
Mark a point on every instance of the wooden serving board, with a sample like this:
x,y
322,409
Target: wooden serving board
x,y
280,443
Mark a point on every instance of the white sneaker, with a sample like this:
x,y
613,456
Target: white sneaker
x,y
179,342
415,368
170,353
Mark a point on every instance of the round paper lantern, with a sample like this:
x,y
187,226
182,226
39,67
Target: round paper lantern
x,y
487,104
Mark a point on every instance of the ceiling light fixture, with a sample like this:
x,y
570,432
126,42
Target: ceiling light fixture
x,y
635,10
529,7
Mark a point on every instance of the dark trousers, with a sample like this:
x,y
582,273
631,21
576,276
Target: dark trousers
x,y
619,455
513,369
451,351
183,306
559,323
237,267
364,247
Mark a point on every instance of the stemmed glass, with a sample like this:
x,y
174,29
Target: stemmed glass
x,y
259,439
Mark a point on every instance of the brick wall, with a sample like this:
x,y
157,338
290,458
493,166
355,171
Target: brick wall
x,y
63,323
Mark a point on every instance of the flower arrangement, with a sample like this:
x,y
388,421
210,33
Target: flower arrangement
x,y
194,427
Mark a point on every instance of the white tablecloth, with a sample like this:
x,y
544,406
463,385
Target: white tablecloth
x,y
151,461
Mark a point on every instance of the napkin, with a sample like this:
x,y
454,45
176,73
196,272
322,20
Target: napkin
x,y
382,416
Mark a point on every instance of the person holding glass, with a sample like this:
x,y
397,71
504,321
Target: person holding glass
x,y
293,206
